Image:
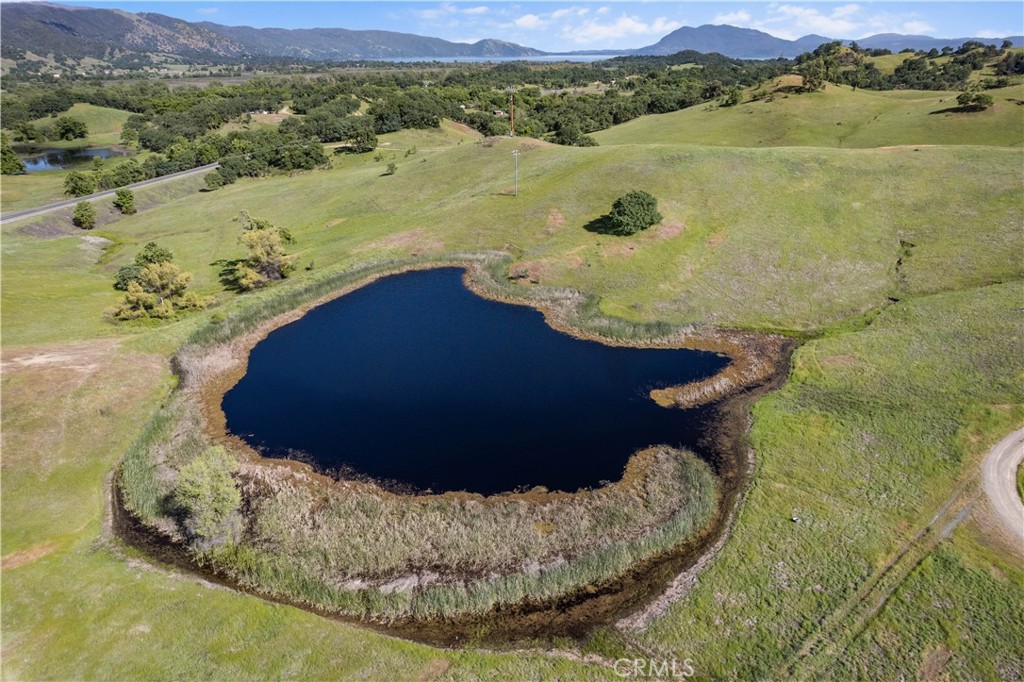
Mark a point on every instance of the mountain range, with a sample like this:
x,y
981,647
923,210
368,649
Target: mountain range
x,y
78,32
748,43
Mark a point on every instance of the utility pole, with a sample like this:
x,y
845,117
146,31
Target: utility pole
x,y
515,190
512,109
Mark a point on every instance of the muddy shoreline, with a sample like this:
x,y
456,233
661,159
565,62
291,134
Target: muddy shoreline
x,y
759,364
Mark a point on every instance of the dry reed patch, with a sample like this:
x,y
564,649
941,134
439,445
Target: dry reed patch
x,y
418,241
716,240
334,223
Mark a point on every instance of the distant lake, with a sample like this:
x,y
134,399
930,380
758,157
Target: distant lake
x,y
415,379
38,160
498,60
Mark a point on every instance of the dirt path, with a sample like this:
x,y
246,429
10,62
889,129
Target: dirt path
x,y
999,477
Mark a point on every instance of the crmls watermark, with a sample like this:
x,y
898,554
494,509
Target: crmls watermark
x,y
649,667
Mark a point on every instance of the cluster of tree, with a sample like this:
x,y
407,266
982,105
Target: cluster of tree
x,y
831,62
154,287
974,101
245,153
1011,65
10,164
63,128
255,153
332,122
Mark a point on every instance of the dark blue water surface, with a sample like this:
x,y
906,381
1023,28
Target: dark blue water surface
x,y
415,379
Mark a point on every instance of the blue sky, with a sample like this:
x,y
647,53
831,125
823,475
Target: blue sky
x,y
555,26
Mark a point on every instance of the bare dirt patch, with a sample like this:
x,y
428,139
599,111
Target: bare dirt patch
x,y
670,229
27,556
717,240
463,128
434,669
556,221
418,241
934,663
61,399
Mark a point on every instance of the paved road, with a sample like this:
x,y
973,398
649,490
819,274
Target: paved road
x,y
999,475
27,213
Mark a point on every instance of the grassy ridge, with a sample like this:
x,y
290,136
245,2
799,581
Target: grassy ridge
x,y
837,116
820,228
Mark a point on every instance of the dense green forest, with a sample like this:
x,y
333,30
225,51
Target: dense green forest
x,y
559,102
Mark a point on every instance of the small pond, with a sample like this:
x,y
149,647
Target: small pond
x,y
38,160
417,380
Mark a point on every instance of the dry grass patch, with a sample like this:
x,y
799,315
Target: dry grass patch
x,y
418,241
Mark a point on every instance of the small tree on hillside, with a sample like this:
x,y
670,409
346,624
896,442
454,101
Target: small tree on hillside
x,y
160,292
125,201
633,212
151,254
68,128
974,101
267,261
79,184
209,496
10,164
85,215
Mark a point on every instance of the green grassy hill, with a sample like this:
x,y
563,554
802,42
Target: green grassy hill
x,y
837,116
899,267
104,123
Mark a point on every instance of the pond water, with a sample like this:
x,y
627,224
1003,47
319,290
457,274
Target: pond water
x,y
415,379
59,159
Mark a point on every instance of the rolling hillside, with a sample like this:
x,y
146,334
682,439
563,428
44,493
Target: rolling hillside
x,y
834,117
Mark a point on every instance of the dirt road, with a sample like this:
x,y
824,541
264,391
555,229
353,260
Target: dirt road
x,y
999,475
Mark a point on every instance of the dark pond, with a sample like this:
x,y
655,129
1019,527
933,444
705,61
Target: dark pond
x,y
415,379
59,159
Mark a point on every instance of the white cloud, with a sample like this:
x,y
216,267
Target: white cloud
x,y
530,21
991,34
738,18
845,11
595,32
917,27
208,11
559,13
804,20
604,10
447,9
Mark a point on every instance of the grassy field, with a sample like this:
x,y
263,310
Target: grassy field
x,y
879,431
104,125
837,116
